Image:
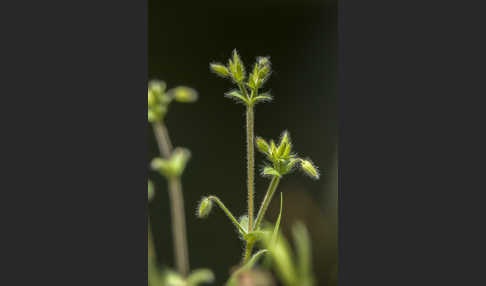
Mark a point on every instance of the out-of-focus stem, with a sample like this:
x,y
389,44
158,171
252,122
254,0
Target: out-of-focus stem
x,y
163,139
176,204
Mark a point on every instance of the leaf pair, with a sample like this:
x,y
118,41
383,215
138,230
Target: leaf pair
x,y
175,165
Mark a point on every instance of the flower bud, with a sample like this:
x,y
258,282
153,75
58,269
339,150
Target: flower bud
x,y
151,98
288,148
262,145
285,138
236,67
205,207
157,86
220,70
264,67
309,168
184,94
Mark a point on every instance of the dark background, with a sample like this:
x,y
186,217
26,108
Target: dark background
x,y
302,43
74,199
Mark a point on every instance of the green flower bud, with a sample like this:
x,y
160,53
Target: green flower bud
x,y
236,67
157,86
264,67
151,98
220,69
309,168
273,148
286,153
285,138
204,208
262,145
184,94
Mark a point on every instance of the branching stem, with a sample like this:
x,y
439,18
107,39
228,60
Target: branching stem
x,y
261,213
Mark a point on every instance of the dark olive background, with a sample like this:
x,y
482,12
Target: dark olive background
x,y
302,43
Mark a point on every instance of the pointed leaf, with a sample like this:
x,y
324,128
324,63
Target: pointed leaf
x,y
237,96
199,276
269,171
277,224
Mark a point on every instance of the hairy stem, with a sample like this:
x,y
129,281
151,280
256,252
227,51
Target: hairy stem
x,y
176,203
248,250
227,212
266,201
261,213
251,164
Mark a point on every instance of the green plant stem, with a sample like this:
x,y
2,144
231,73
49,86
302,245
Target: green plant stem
x,y
248,250
178,225
251,164
176,204
266,201
261,213
163,139
153,274
228,213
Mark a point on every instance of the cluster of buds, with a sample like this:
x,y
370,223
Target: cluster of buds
x,y
159,98
261,72
174,166
282,158
235,70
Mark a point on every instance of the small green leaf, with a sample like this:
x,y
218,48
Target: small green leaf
x,y
199,276
277,224
237,96
172,278
269,171
254,236
265,97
